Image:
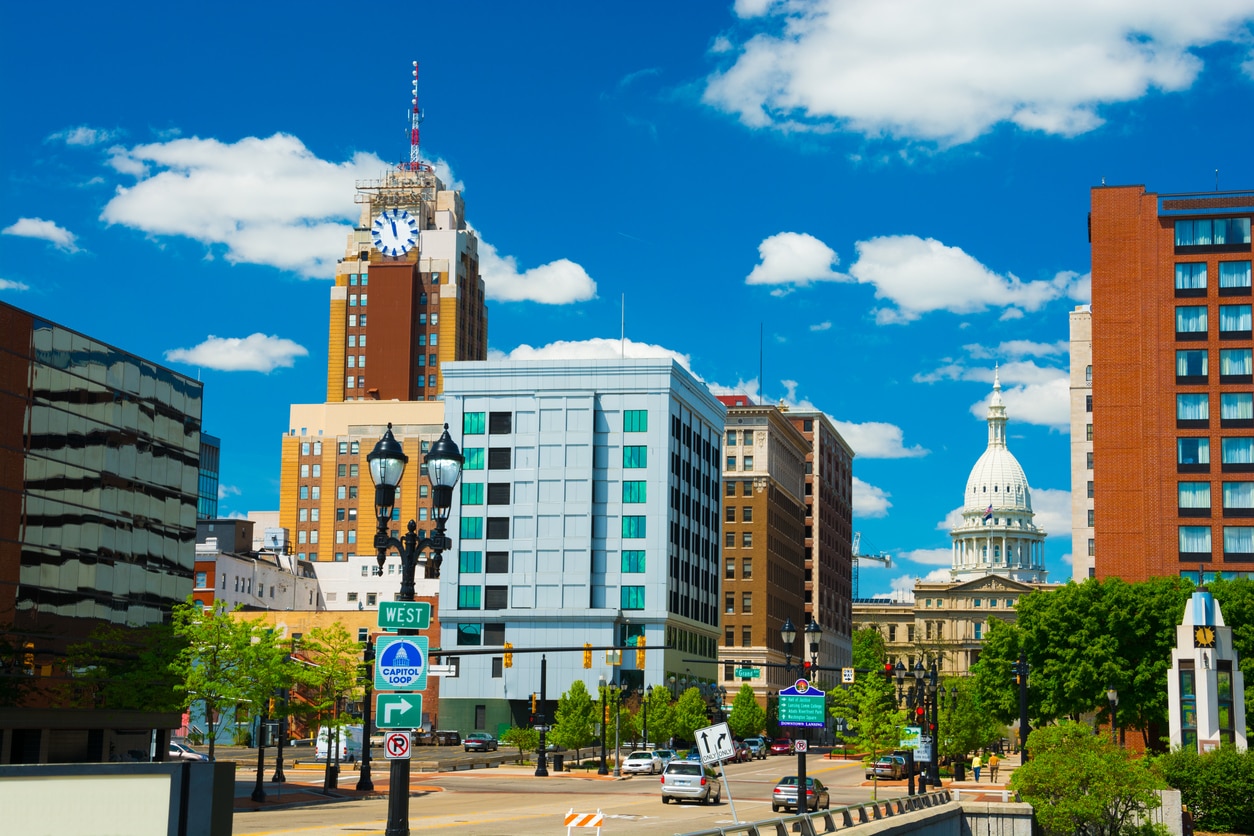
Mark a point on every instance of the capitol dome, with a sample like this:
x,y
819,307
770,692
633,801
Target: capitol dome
x,y
998,533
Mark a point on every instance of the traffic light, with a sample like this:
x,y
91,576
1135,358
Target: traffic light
x,y
888,670
509,657
531,718
587,654
640,653
918,712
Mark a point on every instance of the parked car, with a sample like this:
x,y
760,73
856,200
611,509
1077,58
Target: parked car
x,y
785,794
665,756
693,756
889,766
742,753
683,780
183,752
641,761
757,747
783,746
479,742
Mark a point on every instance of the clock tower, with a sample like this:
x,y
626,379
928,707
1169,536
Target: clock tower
x,y
1205,687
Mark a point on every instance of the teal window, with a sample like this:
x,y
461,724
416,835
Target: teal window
x,y
633,597
472,528
636,456
979,630
634,491
633,561
474,423
473,458
636,421
469,598
633,527
472,493
470,562
977,602
469,634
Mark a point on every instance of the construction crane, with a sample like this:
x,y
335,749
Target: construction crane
x,y
879,557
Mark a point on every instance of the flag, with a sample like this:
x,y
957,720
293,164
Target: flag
x,y
988,514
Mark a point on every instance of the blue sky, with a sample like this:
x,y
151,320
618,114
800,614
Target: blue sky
x,y
893,191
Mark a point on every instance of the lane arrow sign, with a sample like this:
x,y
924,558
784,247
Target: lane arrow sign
x,y
402,705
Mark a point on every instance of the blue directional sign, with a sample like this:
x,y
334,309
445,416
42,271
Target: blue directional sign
x,y
400,663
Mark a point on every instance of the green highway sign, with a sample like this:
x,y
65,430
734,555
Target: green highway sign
x,y
398,711
748,673
404,615
802,705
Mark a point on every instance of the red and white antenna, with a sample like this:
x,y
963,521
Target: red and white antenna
x,y
415,119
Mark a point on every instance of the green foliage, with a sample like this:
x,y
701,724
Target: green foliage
x,y
747,718
967,726
575,723
327,665
1080,784
1215,786
1080,640
868,649
661,715
211,666
869,709
126,668
690,714
527,740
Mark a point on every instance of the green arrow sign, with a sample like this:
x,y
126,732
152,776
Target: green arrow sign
x,y
404,615
748,673
398,711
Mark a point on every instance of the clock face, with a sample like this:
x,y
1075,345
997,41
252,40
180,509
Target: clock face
x,y
394,232
1203,637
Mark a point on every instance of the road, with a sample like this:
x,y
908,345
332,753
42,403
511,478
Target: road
x,y
510,800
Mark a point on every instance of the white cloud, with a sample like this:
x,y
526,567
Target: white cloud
x,y
877,440
920,275
83,135
1017,348
227,490
254,353
1046,402
794,258
929,557
950,72
7,284
43,230
597,348
556,283
869,501
821,326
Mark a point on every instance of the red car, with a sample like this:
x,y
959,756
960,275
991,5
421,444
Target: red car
x,y
781,747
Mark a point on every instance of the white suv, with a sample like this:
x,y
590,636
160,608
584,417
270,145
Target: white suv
x,y
689,779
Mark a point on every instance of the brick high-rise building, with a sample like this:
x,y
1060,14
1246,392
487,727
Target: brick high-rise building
x,y
1173,406
408,296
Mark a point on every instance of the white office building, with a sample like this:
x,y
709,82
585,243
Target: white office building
x,y
587,514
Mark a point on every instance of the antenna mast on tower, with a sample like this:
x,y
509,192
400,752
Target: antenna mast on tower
x,y
415,119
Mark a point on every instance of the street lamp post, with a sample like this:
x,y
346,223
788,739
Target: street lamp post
x,y
364,783
934,692
603,768
903,700
1112,696
644,709
920,713
1020,670
788,635
617,692
444,467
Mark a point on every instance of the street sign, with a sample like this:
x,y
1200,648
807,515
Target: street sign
x,y
442,670
803,705
396,746
800,745
923,752
846,676
400,663
715,743
398,711
404,615
748,673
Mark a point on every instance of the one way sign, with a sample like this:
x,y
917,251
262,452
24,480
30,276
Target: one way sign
x,y
715,743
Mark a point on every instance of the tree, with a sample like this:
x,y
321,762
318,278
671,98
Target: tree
x,y
966,726
661,715
747,718
127,668
211,666
869,709
1080,783
330,658
690,714
526,739
1214,785
575,723
869,652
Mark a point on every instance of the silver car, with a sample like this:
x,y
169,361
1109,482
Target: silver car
x,y
686,779
642,761
183,752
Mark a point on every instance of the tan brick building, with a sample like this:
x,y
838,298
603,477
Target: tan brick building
x,y
1173,406
764,544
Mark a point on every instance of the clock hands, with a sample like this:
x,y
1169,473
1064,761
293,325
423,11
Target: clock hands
x,y
394,232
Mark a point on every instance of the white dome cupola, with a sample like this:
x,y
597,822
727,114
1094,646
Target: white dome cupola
x,y
998,535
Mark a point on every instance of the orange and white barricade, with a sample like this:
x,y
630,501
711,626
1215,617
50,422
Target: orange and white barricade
x,y
574,819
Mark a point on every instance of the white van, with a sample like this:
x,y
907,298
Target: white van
x,y
349,737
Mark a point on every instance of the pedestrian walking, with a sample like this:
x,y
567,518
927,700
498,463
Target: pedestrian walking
x,y
993,763
976,764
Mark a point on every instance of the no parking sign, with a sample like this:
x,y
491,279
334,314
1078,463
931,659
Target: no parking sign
x,y
396,746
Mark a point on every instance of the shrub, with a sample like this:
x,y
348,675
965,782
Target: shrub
x,y
1215,786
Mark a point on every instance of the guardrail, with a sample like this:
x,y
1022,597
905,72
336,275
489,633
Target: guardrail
x,y
831,821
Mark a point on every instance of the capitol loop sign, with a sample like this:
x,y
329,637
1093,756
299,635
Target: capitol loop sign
x,y
400,663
